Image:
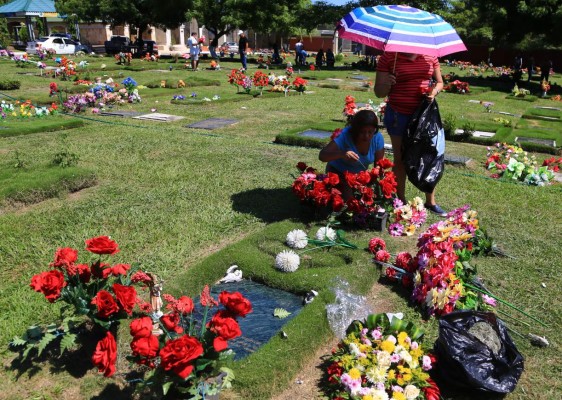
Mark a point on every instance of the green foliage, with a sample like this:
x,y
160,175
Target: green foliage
x,y
19,161
281,313
449,124
9,85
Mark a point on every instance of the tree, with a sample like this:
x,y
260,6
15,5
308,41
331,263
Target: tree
x,y
220,17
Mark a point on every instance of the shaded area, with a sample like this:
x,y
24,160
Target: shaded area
x,y
268,205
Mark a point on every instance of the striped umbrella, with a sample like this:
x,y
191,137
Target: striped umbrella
x,y
400,29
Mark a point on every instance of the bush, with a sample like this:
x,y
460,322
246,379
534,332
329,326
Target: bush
x,y
9,85
449,125
339,57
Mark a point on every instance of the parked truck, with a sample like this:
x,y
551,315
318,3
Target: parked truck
x,y
117,44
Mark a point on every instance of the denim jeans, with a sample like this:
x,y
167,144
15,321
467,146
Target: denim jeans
x,y
243,59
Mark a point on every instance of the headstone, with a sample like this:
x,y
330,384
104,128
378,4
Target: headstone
x,y
549,108
260,325
558,176
159,117
212,123
315,133
477,133
458,160
546,142
360,77
123,113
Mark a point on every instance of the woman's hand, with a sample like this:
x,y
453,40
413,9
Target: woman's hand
x,y
383,83
351,156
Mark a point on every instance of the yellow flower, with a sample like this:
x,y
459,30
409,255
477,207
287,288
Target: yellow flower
x,y
387,346
367,397
354,373
391,374
400,381
410,229
402,336
407,377
398,396
417,353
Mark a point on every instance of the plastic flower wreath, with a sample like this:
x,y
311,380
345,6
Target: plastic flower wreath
x,y
300,84
408,216
381,359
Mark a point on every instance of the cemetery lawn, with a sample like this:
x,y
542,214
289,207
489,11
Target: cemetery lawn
x,y
188,203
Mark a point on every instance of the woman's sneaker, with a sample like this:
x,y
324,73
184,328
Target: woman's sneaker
x,y
435,209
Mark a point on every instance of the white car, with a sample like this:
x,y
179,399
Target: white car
x,y
229,47
60,45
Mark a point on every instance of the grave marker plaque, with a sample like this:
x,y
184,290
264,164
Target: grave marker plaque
x,y
159,117
315,133
546,142
212,123
118,113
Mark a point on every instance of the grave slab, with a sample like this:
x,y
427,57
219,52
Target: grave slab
x,y
212,123
159,117
334,79
118,113
474,101
359,77
549,108
477,133
260,325
457,160
507,113
316,133
546,142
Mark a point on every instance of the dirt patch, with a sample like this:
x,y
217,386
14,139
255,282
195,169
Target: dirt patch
x,y
306,384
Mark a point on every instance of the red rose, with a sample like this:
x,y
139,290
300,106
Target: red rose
x,y
301,166
65,257
49,283
126,297
376,244
106,304
120,269
382,255
390,272
83,272
184,305
105,355
145,346
141,327
431,392
363,177
102,245
331,179
225,326
236,303
170,322
337,203
177,355
354,206
385,163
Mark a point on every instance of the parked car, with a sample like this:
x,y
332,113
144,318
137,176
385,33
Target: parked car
x,y
61,45
117,44
229,47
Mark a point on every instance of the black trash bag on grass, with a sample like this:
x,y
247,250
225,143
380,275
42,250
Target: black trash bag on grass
x,y
465,362
423,148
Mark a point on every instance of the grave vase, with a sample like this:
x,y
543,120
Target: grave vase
x,y
379,222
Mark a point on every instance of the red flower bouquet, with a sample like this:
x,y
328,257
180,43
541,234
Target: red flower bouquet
x,y
188,351
299,84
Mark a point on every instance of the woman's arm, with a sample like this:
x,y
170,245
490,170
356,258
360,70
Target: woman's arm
x,y
383,83
332,152
438,83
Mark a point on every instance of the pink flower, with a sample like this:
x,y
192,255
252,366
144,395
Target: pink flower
x,y
489,300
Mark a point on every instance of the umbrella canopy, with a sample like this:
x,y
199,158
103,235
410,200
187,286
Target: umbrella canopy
x,y
402,29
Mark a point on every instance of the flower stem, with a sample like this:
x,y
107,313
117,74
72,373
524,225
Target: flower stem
x,y
505,302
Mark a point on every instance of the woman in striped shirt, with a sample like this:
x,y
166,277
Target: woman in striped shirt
x,y
405,78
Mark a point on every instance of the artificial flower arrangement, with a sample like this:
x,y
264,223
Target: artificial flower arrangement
x,y
457,86
407,217
519,92
554,164
280,83
372,191
237,78
214,65
289,71
151,57
26,110
260,80
99,293
297,239
184,353
381,357
124,58
312,67
21,60
440,275
131,91
299,84
350,108
65,68
510,162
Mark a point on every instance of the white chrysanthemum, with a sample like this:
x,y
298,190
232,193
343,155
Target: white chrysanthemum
x,y
411,392
383,359
407,358
379,395
297,239
326,233
287,261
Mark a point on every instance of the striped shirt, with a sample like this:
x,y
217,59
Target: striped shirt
x,y
412,76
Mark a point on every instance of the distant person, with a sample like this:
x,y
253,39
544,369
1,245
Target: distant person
x,y
194,49
530,68
150,47
545,70
242,49
299,47
276,58
140,46
330,58
320,58
518,62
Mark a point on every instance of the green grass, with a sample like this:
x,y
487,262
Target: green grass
x,y
187,205
16,127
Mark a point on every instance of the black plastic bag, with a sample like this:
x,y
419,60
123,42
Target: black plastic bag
x,y
424,147
465,362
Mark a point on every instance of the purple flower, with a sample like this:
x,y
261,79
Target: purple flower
x,y
397,203
396,229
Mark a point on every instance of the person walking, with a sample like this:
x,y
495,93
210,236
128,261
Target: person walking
x,y
194,49
546,66
299,47
242,49
530,68
213,44
404,78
